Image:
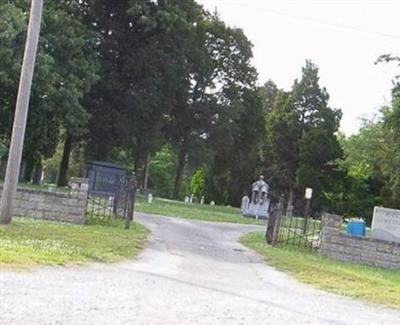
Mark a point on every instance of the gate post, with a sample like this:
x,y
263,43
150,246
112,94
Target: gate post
x,y
131,197
274,222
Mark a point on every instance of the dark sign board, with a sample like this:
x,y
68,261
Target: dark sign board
x,y
104,177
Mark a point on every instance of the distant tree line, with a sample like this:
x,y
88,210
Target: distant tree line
x,y
168,90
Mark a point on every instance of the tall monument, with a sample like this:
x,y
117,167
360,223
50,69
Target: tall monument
x,y
258,205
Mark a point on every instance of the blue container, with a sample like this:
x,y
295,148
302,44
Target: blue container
x,y
356,228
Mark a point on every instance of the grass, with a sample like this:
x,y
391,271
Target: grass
x,y
370,284
195,211
26,243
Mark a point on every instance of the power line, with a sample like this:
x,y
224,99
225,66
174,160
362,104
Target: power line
x,y
242,4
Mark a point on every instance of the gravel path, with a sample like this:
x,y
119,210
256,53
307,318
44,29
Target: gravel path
x,y
191,273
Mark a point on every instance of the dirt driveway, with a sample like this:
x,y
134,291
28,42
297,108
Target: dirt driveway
x,y
191,273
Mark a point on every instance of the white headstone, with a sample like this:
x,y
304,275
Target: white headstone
x,y
186,199
212,203
191,199
245,204
386,224
202,200
150,198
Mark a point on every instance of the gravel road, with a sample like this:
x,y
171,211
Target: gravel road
x,y
191,273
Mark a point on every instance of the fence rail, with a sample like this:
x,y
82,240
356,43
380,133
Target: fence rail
x,y
301,232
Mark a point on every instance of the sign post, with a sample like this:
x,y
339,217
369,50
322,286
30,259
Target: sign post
x,y
308,196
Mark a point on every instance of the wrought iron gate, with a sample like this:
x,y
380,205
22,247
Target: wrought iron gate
x,y
300,232
117,203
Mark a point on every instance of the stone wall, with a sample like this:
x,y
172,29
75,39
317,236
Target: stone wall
x,y
340,246
56,206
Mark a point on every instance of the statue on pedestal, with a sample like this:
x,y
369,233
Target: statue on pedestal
x,y
258,205
259,190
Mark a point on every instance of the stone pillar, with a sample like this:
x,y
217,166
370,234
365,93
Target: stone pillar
x,y
79,186
331,228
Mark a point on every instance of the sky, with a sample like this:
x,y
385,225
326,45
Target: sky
x,y
344,38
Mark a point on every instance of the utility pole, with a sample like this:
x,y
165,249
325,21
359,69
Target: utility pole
x,y
21,113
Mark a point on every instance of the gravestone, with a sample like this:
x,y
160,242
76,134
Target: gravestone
x,y
150,198
386,224
245,204
191,198
259,202
212,203
202,200
186,199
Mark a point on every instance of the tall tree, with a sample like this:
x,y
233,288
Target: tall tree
x,y
318,147
284,130
237,141
65,71
218,73
302,146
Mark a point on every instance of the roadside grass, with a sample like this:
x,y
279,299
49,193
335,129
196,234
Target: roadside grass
x,y
370,284
195,211
26,243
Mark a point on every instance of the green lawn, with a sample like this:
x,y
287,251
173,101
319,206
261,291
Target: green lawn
x,y
204,212
25,243
367,283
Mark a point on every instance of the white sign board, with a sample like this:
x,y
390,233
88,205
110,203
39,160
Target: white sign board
x,y
386,224
308,194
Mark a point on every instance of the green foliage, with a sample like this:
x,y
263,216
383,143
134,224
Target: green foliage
x,y
301,147
126,80
162,169
351,280
237,141
198,184
65,71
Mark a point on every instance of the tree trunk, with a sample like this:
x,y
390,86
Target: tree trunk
x,y
179,171
136,162
22,170
146,170
3,165
290,200
63,172
37,176
26,176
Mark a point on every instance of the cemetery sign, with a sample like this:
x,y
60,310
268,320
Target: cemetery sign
x,y
386,224
104,178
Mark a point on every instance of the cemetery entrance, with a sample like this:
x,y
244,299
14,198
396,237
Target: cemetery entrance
x,y
111,192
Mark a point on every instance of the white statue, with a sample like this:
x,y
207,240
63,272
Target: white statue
x,y
258,205
259,191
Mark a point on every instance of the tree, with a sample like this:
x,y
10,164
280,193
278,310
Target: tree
x,y
163,166
268,93
284,131
237,142
218,73
65,70
301,146
198,183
